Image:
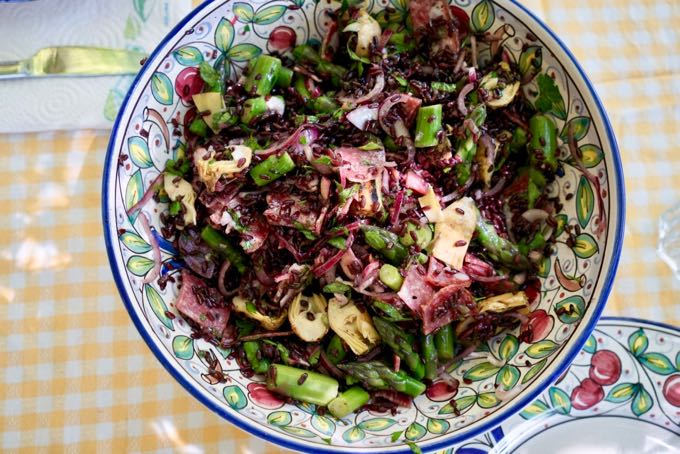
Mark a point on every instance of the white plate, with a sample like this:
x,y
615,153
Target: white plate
x,y
621,395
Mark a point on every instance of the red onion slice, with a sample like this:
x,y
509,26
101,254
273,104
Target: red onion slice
x,y
334,260
329,39
396,208
360,116
311,133
412,106
535,214
375,91
146,197
466,90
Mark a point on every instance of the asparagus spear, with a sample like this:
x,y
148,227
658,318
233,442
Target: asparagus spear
x,y
519,139
301,88
377,375
543,144
428,126
323,105
347,402
263,75
430,356
253,108
498,248
284,78
272,168
302,384
220,243
468,148
259,366
444,341
386,243
400,343
336,350
306,54
423,235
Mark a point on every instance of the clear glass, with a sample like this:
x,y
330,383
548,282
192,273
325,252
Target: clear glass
x,y
669,238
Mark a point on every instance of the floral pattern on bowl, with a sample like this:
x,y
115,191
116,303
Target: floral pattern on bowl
x,y
498,379
628,372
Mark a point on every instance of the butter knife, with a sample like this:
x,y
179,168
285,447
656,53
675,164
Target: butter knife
x,y
74,61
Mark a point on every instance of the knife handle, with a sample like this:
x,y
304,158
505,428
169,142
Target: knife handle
x,y
10,70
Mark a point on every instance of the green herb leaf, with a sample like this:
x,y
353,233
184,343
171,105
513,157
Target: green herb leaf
x,y
224,119
390,312
371,146
178,167
305,231
347,193
549,98
244,326
210,76
175,208
338,242
199,127
323,160
400,80
337,287
355,57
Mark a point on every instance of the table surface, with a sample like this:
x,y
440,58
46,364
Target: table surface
x,y
76,375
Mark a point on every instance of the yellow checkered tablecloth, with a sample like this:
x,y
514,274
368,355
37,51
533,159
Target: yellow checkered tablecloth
x,y
76,375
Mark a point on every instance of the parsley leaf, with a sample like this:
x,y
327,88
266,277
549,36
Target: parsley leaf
x,y
175,208
210,76
371,146
178,167
323,160
353,55
549,98
224,119
305,231
346,194
338,242
337,287
245,326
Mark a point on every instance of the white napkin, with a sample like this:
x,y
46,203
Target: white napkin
x,y
42,104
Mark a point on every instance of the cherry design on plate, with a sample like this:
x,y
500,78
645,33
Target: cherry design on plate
x,y
671,390
605,368
587,394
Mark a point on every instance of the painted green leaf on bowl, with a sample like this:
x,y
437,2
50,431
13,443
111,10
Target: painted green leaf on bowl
x,y
158,306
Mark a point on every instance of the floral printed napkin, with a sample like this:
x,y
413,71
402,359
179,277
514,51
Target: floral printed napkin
x,y
43,104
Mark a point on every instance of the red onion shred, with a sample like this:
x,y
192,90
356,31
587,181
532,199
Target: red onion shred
x,y
148,195
375,91
155,271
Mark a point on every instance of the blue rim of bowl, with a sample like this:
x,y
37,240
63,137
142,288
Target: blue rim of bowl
x,y
502,414
641,321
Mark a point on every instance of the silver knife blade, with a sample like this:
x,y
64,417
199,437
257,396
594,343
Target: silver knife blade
x,y
74,61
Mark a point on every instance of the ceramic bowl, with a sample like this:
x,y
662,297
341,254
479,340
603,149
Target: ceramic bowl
x,y
504,375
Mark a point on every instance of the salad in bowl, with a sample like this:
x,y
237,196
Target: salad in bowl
x,y
392,224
